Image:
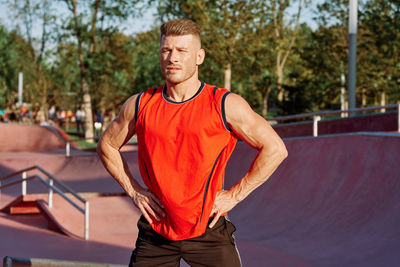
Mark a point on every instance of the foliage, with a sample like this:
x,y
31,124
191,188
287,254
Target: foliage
x,y
145,61
8,68
380,24
258,34
248,38
326,53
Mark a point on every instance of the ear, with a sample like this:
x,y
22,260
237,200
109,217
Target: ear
x,y
200,56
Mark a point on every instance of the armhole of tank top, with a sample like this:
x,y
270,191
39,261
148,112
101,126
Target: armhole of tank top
x,y
137,104
223,114
214,90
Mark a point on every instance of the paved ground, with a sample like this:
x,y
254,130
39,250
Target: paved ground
x,y
335,201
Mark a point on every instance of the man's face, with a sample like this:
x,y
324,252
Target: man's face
x,y
179,57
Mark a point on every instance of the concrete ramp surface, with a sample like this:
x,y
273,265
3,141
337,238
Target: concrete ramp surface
x,y
335,201
18,137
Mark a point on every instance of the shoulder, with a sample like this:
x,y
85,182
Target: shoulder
x,y
235,103
238,111
128,108
131,106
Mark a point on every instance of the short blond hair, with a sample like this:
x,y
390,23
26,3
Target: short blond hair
x,y
178,27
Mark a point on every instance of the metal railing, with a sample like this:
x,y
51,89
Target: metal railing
x,y
52,188
318,115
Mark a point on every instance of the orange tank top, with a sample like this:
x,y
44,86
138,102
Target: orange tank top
x,y
183,148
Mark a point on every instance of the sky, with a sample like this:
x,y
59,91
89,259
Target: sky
x,y
134,26
147,20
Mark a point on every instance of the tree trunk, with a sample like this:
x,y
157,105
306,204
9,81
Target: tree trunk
x,y
44,107
363,98
87,104
279,75
283,50
383,101
228,74
264,110
87,107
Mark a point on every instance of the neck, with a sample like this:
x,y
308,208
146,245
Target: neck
x,y
183,91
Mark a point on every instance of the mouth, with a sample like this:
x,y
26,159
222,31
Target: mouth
x,y
173,68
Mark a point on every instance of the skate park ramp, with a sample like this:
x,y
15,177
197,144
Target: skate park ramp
x,y
18,137
335,201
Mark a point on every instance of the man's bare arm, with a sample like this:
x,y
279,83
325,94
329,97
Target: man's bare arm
x,y
256,132
116,135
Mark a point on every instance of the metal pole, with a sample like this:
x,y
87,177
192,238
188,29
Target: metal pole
x,y
87,220
20,89
342,95
50,194
67,149
24,184
352,68
315,125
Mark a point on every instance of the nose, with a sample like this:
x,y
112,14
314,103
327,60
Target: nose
x,y
173,56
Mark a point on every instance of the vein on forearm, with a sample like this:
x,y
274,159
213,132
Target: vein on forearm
x,y
264,164
116,165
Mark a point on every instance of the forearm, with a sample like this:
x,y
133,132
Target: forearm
x,y
116,165
263,166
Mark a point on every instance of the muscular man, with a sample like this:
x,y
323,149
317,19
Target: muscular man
x,y
186,132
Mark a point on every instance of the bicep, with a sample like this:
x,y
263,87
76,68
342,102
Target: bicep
x,y
248,125
122,128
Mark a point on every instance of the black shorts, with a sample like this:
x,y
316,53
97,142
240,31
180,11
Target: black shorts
x,y
216,247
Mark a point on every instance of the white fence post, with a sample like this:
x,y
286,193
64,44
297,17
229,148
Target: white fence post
x,y
24,183
316,119
87,220
51,194
67,149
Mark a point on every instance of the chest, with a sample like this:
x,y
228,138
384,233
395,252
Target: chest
x,y
195,119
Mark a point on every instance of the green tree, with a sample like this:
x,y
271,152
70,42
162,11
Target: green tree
x,y
145,55
8,67
85,23
377,68
112,72
222,22
269,45
263,32
380,72
65,77
34,50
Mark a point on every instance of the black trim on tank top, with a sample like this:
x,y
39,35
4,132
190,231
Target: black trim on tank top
x,y
164,94
154,91
137,104
215,89
208,183
223,111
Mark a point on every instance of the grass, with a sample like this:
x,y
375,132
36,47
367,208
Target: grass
x,y
85,145
81,143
